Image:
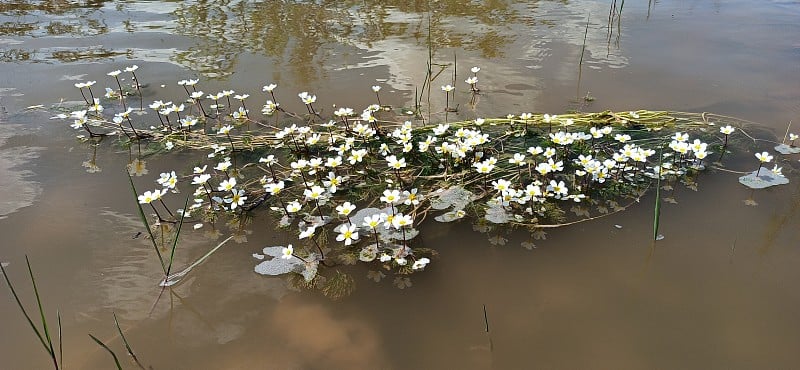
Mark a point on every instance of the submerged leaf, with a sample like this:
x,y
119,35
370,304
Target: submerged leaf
x,y
339,286
580,211
402,282
375,276
497,240
539,234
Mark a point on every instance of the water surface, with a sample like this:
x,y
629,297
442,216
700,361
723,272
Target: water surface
x,y
718,292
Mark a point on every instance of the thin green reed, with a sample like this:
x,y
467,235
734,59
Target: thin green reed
x,y
45,339
125,341
177,235
114,355
143,218
657,210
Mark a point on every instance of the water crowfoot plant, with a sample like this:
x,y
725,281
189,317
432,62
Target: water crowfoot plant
x,y
520,170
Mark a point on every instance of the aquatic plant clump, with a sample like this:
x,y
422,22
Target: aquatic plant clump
x,y
355,186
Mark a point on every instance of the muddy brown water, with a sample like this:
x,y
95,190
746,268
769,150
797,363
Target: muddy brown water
x,y
720,291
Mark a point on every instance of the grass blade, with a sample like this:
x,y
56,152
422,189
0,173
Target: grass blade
x,y
177,235
147,224
657,211
42,315
114,355
22,308
60,340
125,341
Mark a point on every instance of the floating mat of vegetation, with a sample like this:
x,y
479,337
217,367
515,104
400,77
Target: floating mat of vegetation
x,y
354,187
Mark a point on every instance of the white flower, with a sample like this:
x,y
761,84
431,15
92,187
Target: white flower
x,y
332,182
622,138
501,185
269,88
274,188
374,220
314,193
237,198
399,220
376,88
287,252
293,206
778,171
114,73
519,159
307,98
224,130
269,160
357,155
440,129
168,180
471,80
558,188
345,209
201,179
188,121
227,185
475,69
483,167
81,85
96,107
135,67
224,165
411,197
240,113
308,233
348,234
150,196
420,263
680,137
343,112
727,130
391,196
396,163
764,157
